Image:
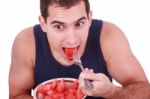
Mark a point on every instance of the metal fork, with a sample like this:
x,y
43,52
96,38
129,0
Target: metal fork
x,y
77,61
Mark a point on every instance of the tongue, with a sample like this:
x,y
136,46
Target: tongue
x,y
69,52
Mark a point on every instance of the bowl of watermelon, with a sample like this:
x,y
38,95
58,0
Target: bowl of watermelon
x,y
59,88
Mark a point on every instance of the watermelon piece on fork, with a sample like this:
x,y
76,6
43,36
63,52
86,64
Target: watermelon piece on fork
x,y
69,52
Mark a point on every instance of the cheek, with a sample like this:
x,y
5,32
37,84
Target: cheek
x,y
52,40
84,35
55,41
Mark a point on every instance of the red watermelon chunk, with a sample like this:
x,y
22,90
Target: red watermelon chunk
x,y
69,52
59,89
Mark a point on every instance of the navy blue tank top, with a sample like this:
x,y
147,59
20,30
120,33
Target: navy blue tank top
x,y
46,67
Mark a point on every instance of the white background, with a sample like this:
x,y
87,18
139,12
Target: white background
x,y
130,15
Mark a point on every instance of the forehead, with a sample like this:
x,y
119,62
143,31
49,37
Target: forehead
x,y
66,15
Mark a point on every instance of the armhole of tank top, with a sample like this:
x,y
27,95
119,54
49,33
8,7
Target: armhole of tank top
x,y
36,41
99,45
100,52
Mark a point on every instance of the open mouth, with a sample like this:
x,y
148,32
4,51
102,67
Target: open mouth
x,y
69,52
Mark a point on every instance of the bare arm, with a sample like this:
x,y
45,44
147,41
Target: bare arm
x,y
123,66
138,90
21,72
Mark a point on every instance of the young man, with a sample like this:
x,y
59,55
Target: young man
x,y
38,54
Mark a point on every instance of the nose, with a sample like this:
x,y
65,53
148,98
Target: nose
x,y
72,38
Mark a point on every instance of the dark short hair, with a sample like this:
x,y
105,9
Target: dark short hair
x,y
44,4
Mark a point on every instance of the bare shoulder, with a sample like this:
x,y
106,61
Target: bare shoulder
x,y
24,44
25,36
111,30
112,37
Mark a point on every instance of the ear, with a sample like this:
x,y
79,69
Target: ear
x,y
90,17
43,23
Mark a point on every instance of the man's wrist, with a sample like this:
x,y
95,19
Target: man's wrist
x,y
113,92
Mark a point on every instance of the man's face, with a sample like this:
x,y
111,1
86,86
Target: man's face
x,y
67,28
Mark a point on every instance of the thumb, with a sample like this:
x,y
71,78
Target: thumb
x,y
92,76
88,75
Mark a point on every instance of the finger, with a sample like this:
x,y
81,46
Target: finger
x,y
91,70
93,76
88,70
81,82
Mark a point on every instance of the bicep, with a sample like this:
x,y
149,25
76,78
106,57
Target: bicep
x,y
20,80
121,63
126,69
21,71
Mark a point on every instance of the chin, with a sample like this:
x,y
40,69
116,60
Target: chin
x,y
67,63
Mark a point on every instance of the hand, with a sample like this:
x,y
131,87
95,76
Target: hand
x,y
102,85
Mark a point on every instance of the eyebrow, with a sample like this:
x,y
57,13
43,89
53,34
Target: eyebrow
x,y
59,22
82,18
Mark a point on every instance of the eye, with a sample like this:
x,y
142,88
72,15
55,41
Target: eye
x,y
79,24
58,27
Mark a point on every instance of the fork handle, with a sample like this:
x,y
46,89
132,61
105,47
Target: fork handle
x,y
81,66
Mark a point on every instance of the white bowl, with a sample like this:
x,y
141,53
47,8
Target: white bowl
x,y
68,81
